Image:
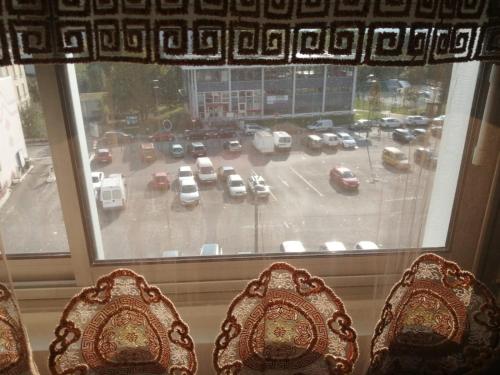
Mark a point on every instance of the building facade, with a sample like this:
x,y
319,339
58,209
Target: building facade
x,y
18,76
13,151
261,92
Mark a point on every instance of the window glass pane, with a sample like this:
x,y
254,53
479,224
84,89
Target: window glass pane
x,y
28,185
357,162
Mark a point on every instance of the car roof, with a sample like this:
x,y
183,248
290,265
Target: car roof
x,y
185,168
314,136
389,119
147,145
393,149
343,134
293,246
342,169
197,144
227,168
160,174
334,246
210,248
176,145
188,181
234,141
367,245
96,173
235,177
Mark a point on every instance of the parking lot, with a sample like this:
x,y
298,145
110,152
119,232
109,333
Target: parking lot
x,y
304,205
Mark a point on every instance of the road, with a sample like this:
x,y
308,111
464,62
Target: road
x,y
304,205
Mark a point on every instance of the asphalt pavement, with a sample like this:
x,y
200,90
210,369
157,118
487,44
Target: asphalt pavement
x,y
389,208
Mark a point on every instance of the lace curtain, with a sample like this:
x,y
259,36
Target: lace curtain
x,y
218,32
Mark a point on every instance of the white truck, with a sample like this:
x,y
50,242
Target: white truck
x,y
330,140
282,141
112,193
263,141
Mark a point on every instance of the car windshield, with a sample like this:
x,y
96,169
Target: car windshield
x,y
285,139
198,148
103,153
189,189
177,148
346,137
95,179
237,183
234,143
347,174
206,170
400,156
161,178
260,187
185,173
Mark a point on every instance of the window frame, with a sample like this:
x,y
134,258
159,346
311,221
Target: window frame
x,y
195,275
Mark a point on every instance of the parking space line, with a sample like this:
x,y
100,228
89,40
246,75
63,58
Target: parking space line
x,y
284,182
306,182
272,195
401,199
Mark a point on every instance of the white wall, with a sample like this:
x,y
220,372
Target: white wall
x,y
11,131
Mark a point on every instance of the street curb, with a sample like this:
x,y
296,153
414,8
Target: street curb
x,y
16,181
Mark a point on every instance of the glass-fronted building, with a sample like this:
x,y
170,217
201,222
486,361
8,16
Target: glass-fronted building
x,y
261,92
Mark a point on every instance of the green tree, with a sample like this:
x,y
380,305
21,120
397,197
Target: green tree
x,y
32,121
131,88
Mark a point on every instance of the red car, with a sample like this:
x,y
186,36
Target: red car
x,y
343,177
103,155
159,181
162,136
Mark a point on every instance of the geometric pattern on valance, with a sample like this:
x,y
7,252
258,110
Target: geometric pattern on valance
x,y
15,351
122,326
239,32
286,322
438,319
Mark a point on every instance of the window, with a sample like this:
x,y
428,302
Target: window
x,y
29,191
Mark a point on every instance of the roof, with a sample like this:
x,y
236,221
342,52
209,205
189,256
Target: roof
x,y
185,168
234,177
342,169
147,145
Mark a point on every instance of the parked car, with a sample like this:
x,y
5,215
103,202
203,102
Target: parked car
x,y
159,181
224,171
312,141
235,185
361,125
366,245
232,146
258,187
205,170
425,157
292,247
361,140
395,158
114,137
197,149
344,178
332,246
185,173
148,152
437,131
210,249
113,194
176,150
188,192
389,123
162,136
403,136
417,121
194,134
282,141
321,125
251,129
346,140
103,155
226,133
263,141
439,120
97,178
330,140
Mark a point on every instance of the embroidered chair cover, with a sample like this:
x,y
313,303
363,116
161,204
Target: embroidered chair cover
x,y
15,351
437,320
121,326
286,322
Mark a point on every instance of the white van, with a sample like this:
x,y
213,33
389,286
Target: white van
x,y
282,141
263,141
112,194
321,125
330,140
205,170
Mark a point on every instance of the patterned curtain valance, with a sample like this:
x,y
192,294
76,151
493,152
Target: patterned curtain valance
x,y
218,32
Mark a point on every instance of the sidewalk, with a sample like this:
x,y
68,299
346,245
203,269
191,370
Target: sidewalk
x,y
5,198
15,181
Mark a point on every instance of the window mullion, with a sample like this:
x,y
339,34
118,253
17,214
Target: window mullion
x,y
57,115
